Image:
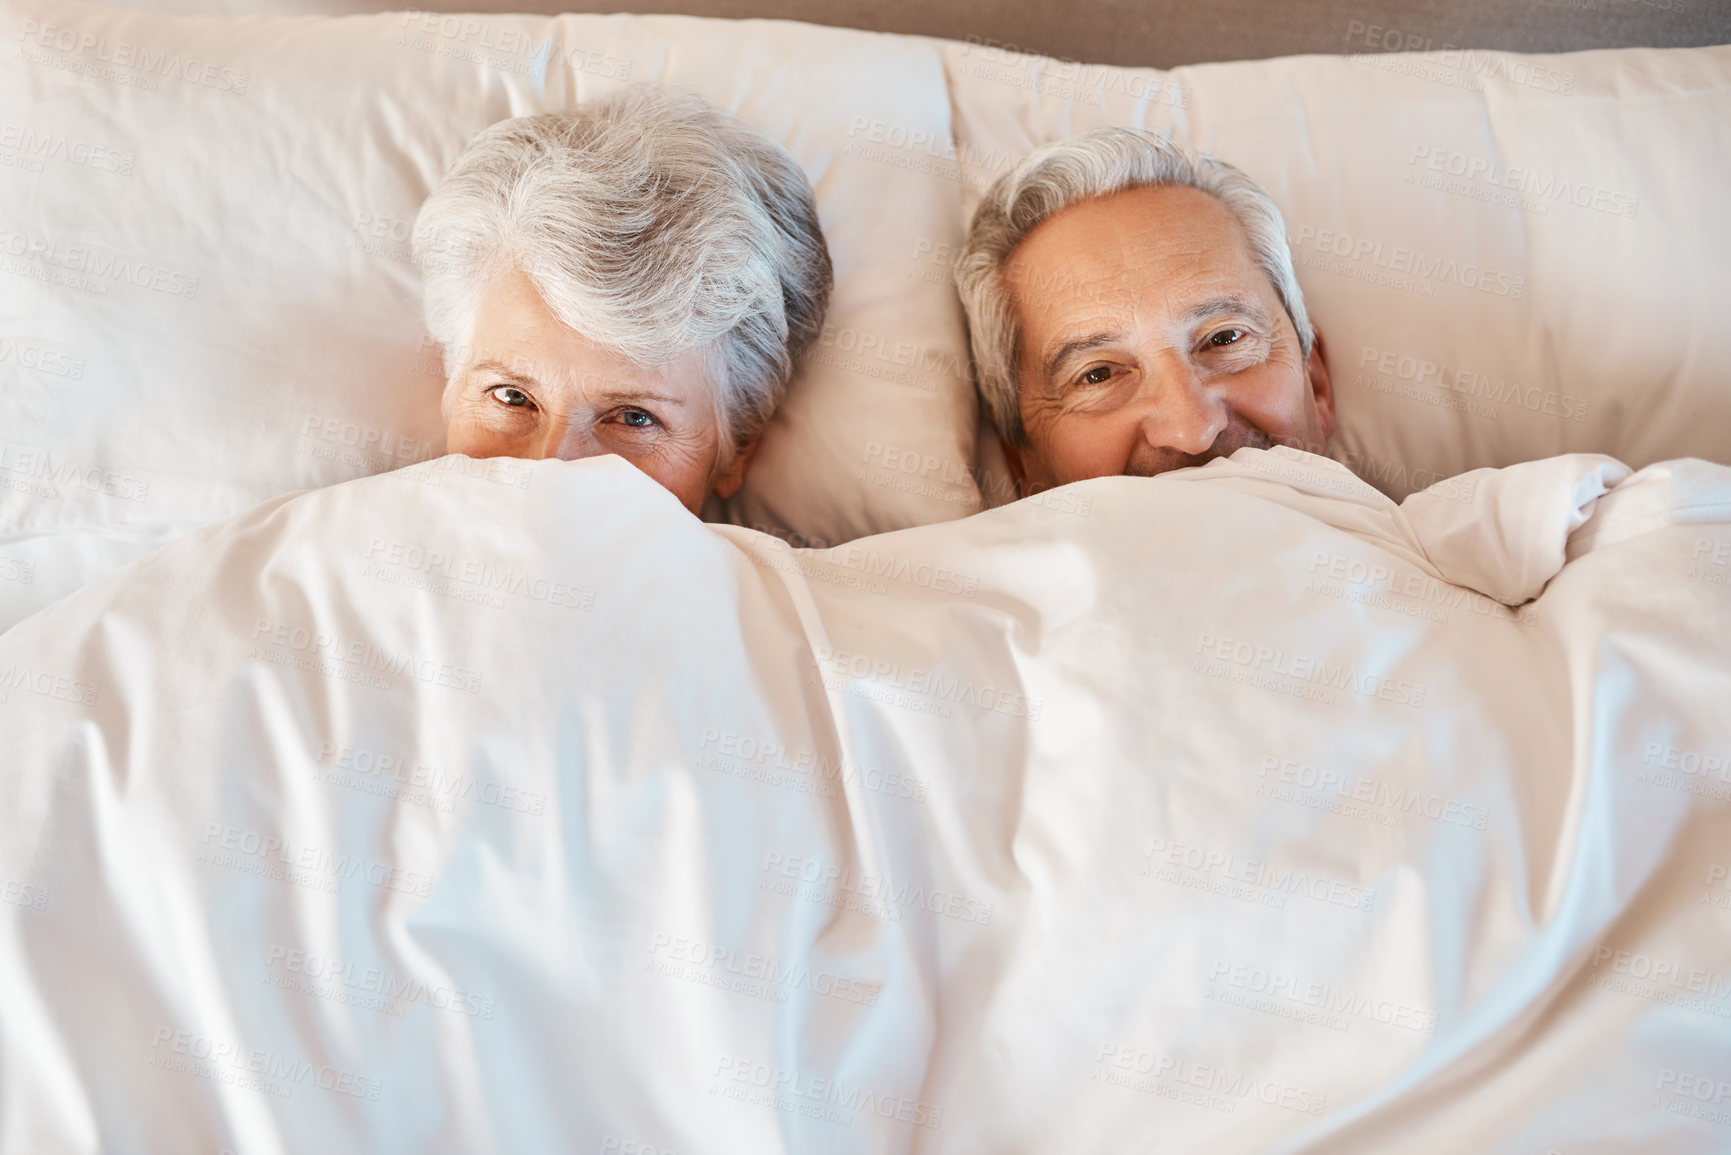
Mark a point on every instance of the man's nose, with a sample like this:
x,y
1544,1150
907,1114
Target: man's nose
x,y
1177,409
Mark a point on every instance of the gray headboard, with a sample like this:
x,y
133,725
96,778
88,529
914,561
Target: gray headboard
x,y
1160,33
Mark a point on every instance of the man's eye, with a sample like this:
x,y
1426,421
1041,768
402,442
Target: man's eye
x,y
1226,337
509,395
636,418
1098,375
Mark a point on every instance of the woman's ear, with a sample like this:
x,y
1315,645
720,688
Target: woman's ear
x,y
728,481
1018,470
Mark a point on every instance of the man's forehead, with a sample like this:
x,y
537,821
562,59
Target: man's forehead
x,y
1138,217
1116,258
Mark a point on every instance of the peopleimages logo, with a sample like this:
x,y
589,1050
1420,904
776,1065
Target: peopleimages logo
x,y
1069,79
1304,670
840,666
890,567
1339,1003
762,976
813,1096
1441,377
1711,561
806,771
36,472
40,358
368,446
1373,799
24,894
303,863
94,270
394,776
1660,979
1120,1064
36,147
1531,187
60,687
341,981
1449,63
501,48
1365,258
1165,859
299,647
484,576
930,151
1690,771
816,880
1389,586
255,1068
888,358
138,58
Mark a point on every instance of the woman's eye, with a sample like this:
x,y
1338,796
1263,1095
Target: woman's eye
x,y
636,418
1098,375
509,395
1226,337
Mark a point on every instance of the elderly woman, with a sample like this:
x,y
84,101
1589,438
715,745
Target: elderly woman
x,y
634,277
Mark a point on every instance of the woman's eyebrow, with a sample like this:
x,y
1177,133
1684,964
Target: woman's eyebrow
x,y
515,376
634,395
611,396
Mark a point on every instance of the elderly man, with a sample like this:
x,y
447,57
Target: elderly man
x,y
635,277
1133,309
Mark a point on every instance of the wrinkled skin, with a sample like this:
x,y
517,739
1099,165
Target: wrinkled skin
x,y
1151,340
532,387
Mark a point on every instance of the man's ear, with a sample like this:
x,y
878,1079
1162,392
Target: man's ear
x,y
727,482
1321,387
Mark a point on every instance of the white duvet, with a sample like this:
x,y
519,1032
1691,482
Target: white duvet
x,y
503,806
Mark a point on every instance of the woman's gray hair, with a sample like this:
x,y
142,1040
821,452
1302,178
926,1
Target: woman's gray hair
x,y
650,222
1058,175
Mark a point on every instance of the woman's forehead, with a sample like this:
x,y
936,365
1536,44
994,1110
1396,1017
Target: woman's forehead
x,y
517,339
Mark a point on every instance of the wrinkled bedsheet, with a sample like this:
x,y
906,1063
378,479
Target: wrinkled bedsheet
x,y
504,806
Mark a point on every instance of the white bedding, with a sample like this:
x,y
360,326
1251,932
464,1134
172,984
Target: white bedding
x,y
504,806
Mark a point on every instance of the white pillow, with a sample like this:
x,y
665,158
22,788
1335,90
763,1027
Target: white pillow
x,y
207,297
1509,256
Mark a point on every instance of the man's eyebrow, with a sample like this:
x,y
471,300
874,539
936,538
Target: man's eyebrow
x,y
1227,303
1078,345
1201,310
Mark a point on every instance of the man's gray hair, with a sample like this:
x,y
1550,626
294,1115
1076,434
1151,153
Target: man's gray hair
x,y
651,223
1058,175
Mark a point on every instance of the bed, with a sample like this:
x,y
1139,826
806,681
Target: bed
x,y
360,797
